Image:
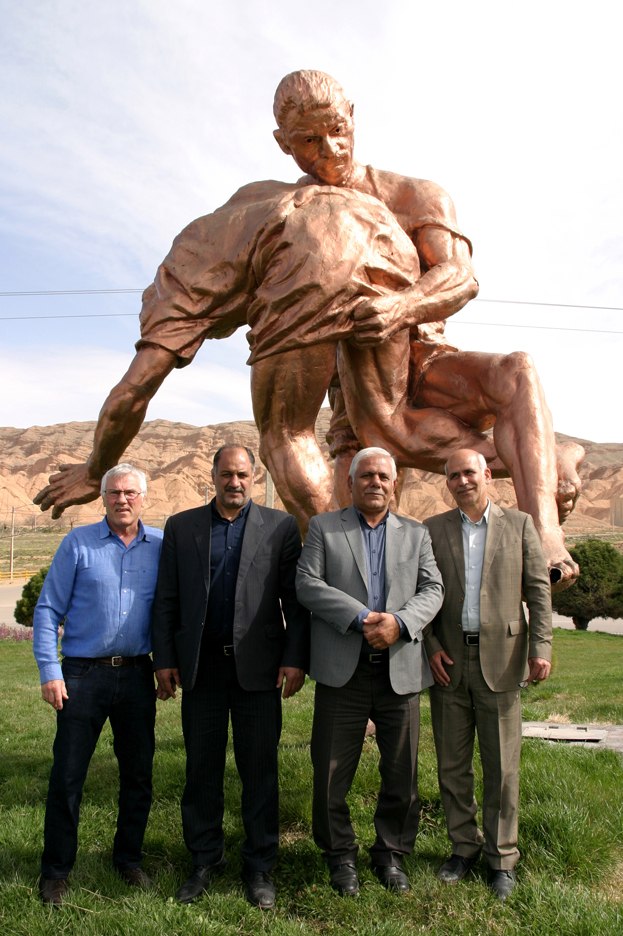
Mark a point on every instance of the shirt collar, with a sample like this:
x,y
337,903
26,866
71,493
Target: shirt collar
x,y
364,522
106,531
483,519
216,515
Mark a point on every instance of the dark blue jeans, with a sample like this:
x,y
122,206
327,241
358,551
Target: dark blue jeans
x,y
126,695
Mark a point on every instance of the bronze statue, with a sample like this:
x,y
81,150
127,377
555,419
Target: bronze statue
x,y
350,265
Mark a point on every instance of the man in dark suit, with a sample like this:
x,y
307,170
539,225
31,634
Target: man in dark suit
x,y
370,580
480,651
225,585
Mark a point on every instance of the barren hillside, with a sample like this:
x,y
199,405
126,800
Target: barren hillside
x,y
177,459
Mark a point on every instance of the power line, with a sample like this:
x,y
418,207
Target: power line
x,y
30,318
592,331
97,292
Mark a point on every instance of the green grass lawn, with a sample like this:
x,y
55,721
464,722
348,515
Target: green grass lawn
x,y
571,827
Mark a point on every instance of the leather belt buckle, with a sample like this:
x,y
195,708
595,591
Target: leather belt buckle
x,y
228,651
471,640
116,661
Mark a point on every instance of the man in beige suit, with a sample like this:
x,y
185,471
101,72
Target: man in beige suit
x,y
490,558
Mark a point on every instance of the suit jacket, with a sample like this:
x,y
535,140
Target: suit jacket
x,y
331,581
513,567
264,589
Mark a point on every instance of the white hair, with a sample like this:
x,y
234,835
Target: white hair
x,y
367,453
482,461
119,471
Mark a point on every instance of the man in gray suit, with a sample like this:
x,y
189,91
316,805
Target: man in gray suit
x,y
370,580
490,558
225,585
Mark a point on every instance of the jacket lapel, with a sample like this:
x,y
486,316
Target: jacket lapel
x,y
203,537
454,534
394,535
495,528
253,533
352,529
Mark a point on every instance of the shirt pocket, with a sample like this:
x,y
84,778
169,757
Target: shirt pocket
x,y
145,583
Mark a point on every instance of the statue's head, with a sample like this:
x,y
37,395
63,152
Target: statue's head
x,y
316,125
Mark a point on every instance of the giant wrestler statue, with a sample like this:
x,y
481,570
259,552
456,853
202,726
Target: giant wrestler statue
x,y
352,265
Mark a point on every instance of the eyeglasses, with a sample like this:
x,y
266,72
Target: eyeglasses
x,y
129,495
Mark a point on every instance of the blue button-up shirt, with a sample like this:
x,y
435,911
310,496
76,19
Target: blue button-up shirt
x,y
474,540
104,590
374,548
225,550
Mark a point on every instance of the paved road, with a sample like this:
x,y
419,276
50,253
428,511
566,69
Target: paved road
x,y
8,596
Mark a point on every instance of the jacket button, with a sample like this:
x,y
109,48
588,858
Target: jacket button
x,y
461,600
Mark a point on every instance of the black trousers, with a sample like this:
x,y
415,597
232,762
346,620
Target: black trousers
x,y
340,719
256,728
127,696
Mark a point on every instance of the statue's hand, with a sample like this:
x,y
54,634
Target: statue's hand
x,y
378,318
72,485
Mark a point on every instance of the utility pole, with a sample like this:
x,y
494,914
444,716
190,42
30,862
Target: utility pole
x,y
270,490
12,538
206,495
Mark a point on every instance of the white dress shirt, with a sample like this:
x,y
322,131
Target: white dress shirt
x,y
474,539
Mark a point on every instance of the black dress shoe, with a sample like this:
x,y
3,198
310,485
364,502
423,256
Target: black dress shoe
x,y
502,882
53,890
455,868
260,889
392,877
199,881
344,879
135,877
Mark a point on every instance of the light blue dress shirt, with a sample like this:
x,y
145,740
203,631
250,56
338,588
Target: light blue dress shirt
x,y
104,590
374,548
474,539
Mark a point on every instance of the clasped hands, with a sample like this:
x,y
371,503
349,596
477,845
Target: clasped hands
x,y
380,629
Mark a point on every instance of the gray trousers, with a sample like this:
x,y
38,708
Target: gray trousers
x,y
497,718
340,719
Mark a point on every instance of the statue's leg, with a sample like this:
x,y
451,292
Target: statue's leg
x,y
476,386
288,390
119,421
375,384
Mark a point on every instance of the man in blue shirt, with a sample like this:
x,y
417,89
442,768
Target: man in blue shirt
x,y
102,582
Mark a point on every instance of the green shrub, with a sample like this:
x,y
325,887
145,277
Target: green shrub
x,y
25,607
599,590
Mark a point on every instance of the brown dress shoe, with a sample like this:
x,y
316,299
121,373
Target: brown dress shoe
x,y
136,877
53,890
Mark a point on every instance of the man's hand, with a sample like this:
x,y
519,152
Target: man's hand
x,y
437,667
294,679
539,669
380,629
54,692
378,318
168,679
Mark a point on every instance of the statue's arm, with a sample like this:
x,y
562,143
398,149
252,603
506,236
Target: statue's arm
x,y
119,421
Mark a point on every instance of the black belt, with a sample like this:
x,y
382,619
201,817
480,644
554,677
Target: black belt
x,y
374,658
471,639
114,660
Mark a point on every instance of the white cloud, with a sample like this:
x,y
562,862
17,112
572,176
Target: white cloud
x,y
45,386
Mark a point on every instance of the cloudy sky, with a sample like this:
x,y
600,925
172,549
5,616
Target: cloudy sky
x,y
123,121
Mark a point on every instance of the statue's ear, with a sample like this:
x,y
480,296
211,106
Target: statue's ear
x,y
280,137
351,104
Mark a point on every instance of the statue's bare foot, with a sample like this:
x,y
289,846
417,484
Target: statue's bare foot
x,y
563,570
569,457
72,485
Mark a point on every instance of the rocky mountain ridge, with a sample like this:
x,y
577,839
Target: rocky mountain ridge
x,y
177,459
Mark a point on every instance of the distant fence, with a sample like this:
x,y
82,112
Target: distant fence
x,y
18,576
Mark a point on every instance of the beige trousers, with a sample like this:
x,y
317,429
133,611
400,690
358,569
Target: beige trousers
x,y
497,718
